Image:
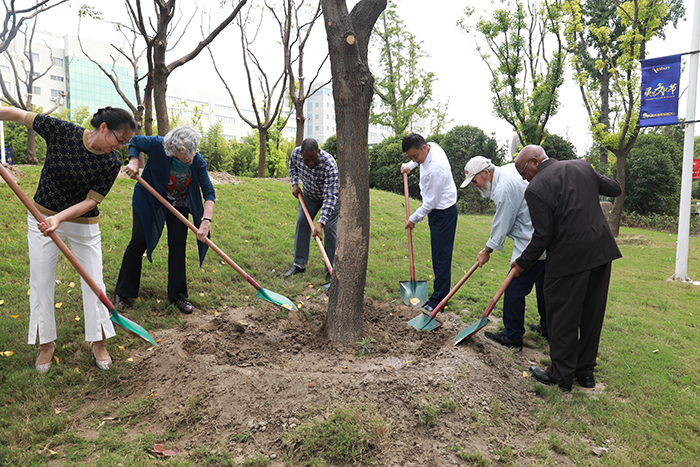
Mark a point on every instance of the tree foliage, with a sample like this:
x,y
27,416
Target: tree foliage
x,y
642,20
653,175
558,147
525,77
404,89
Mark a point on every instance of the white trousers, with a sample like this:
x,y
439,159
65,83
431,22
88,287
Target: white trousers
x,y
85,241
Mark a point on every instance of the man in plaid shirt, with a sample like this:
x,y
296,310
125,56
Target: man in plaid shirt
x,y
318,173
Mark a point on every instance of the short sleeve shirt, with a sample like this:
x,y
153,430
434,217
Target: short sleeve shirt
x,y
73,171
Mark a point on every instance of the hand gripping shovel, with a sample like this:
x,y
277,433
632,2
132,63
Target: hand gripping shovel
x,y
412,292
318,240
264,294
428,321
124,323
485,318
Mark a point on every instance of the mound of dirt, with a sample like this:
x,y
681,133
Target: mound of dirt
x,y
250,371
16,173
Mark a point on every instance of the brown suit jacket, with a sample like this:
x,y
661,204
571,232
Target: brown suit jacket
x,y
568,221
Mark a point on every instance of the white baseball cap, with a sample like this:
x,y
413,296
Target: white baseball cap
x,y
474,166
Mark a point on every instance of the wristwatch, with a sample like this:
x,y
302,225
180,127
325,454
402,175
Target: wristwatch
x,y
488,250
206,219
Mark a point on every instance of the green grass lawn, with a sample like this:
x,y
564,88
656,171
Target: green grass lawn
x,y
649,356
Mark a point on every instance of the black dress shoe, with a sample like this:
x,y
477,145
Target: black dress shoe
x,y
504,340
428,308
586,381
120,301
542,376
294,270
184,306
536,328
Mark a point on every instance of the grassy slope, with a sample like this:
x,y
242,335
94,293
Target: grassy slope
x,y
649,355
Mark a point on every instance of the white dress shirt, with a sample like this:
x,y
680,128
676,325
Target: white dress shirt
x,y
437,188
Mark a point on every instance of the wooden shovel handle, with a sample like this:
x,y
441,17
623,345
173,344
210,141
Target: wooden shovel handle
x,y
454,290
318,240
191,226
500,292
410,237
57,240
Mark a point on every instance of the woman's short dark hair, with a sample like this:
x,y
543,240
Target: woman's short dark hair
x,y
412,140
116,119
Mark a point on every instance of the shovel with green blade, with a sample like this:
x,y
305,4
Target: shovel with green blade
x,y
124,323
264,294
428,321
485,317
412,292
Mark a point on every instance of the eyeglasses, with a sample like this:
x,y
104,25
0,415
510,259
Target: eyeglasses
x,y
119,142
520,172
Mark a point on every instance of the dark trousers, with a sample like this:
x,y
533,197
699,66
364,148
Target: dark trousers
x,y
129,280
302,235
514,301
575,312
443,225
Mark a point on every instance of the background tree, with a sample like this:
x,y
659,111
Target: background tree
x,y
157,33
557,147
295,27
525,79
24,75
641,20
266,96
15,18
348,36
596,14
216,150
403,88
653,175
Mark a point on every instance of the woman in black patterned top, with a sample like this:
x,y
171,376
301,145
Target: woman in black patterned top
x,y
78,172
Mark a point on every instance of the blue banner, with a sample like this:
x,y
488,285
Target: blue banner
x,y
660,83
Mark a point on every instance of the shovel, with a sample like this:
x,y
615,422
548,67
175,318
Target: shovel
x,y
318,240
412,292
124,323
264,294
485,318
428,321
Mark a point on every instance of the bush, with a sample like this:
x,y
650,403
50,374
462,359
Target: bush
x,y
652,178
557,147
658,222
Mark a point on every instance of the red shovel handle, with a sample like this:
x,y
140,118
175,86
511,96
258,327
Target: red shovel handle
x,y
410,237
318,240
57,240
191,226
500,291
454,290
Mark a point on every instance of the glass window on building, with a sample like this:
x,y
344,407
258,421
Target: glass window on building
x,y
35,57
57,78
36,91
7,85
317,128
316,104
4,69
58,61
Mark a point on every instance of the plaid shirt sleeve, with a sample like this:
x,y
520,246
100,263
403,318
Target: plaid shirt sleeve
x,y
330,188
294,161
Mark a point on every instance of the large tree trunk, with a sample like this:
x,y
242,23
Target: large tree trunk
x,y
262,138
619,203
31,147
353,88
301,121
604,113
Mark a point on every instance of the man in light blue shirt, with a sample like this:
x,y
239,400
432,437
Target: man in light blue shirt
x,y
439,193
506,188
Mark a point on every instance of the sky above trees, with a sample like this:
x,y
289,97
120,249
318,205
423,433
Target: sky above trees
x,y
462,76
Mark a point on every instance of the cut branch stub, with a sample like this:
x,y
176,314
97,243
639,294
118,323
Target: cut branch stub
x,y
350,39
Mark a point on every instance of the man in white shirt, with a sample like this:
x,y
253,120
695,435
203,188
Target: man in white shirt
x,y
439,195
506,188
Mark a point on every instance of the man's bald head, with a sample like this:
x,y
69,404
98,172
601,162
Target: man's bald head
x,y
528,161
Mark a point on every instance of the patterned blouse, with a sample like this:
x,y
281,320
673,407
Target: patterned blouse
x,y
73,171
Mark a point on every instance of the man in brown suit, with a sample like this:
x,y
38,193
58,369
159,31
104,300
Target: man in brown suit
x,y
563,200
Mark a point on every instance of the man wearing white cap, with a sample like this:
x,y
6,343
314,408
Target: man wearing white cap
x,y
506,188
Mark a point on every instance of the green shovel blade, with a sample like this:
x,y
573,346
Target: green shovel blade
x,y
414,292
277,299
471,330
424,322
131,327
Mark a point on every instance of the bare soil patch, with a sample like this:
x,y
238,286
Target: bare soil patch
x,y
252,371
16,173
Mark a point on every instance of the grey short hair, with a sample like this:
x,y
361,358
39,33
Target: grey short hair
x,y
183,139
